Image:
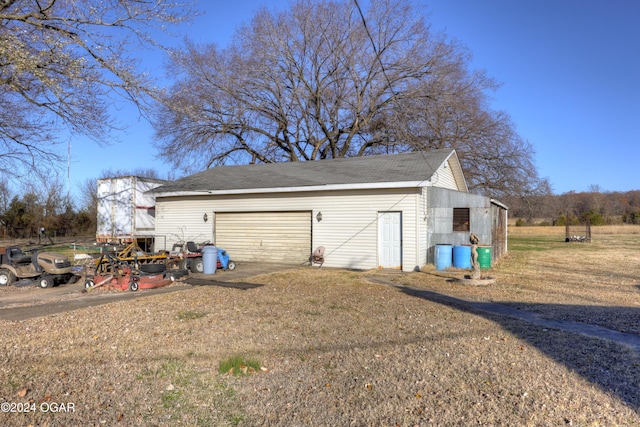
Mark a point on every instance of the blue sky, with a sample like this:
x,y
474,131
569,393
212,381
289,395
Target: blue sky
x,y
569,70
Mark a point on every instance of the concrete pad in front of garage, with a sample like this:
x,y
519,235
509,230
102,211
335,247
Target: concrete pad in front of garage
x,y
26,303
228,278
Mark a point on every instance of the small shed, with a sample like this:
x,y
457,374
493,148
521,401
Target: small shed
x,y
382,211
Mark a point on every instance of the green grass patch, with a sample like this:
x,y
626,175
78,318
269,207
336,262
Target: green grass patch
x,y
171,398
535,243
238,365
545,243
190,315
189,393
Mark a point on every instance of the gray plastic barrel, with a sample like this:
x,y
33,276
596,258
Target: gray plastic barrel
x,y
209,259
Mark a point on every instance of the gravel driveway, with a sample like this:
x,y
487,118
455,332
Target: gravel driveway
x,y
25,302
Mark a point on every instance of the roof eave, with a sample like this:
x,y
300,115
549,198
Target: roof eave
x,y
328,187
499,203
454,161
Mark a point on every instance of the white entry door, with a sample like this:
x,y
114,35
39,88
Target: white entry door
x,y
390,240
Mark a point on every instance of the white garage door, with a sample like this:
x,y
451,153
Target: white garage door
x,y
265,236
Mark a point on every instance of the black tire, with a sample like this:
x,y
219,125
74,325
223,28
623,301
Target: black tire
x,y
88,284
177,274
6,277
46,281
133,285
231,266
184,264
152,268
196,265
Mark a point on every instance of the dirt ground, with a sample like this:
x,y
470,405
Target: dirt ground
x,y
342,347
25,302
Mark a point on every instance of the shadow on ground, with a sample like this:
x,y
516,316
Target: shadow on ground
x,y
607,358
621,319
235,285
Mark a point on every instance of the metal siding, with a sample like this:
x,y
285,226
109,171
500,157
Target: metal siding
x,y
104,201
265,236
144,205
124,208
440,218
119,214
499,216
115,210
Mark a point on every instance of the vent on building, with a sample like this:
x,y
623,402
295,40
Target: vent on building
x,y
461,219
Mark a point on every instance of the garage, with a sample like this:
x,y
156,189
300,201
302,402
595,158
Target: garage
x,y
265,236
368,212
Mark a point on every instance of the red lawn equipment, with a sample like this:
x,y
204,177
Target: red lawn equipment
x,y
114,273
188,256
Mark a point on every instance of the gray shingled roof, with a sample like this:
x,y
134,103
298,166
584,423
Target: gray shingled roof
x,y
416,166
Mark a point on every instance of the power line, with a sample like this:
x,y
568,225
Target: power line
x,y
384,73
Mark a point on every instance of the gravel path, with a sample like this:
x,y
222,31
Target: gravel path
x,y
629,340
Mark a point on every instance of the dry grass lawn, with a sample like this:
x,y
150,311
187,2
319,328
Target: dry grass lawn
x,y
338,349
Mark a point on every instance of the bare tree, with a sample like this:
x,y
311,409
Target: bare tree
x,y
61,64
89,188
328,79
309,83
45,198
5,194
536,201
140,172
88,191
455,113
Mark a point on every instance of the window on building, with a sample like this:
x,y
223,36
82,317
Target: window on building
x,y
460,219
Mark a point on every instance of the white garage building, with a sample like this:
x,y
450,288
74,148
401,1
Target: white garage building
x,y
368,212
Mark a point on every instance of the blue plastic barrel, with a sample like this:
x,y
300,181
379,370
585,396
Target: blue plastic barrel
x,y
462,256
443,256
223,256
209,259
